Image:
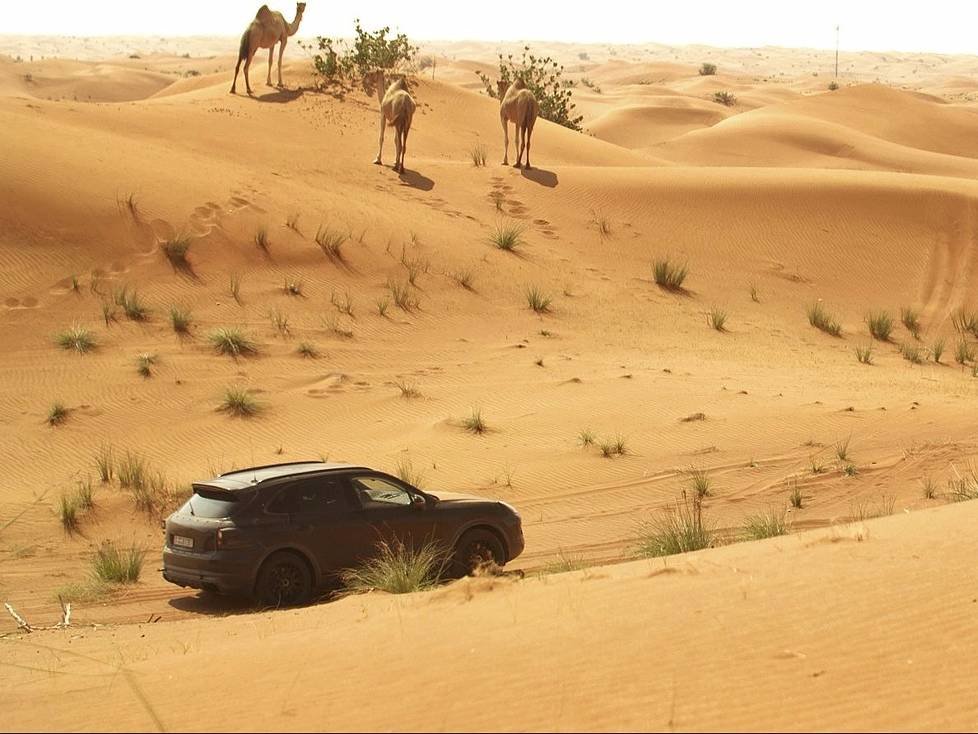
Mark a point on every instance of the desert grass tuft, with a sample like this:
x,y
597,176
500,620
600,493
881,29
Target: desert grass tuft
x,y
118,565
57,414
292,222
717,319
408,389
105,463
68,512
280,322
842,449
108,313
965,322
863,510
700,482
795,496
865,354
586,438
331,243
478,154
769,523
912,353
669,275
180,320
937,350
232,342
564,563
307,350
261,240
475,423
77,339
239,402
131,304
964,353
234,287
344,305
821,319
963,487
507,237
910,317
175,249
332,324
132,471
463,278
929,488
679,529
538,301
397,569
145,364
880,325
401,295
407,472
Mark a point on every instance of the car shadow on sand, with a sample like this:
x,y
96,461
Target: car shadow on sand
x,y
217,605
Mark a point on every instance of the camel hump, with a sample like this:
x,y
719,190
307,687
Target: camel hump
x,y
264,13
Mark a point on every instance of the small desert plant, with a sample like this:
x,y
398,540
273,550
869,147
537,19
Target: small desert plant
x,y
795,496
850,470
239,402
478,154
863,510
292,222
343,305
232,342
234,287
880,325
507,237
261,240
564,564
965,321
602,224
292,287
910,318
753,293
669,275
822,320
105,463
865,354
280,321
678,530
537,300
132,471
717,318
929,487
937,350
57,414
912,353
842,449
108,313
76,338
401,294
176,249
725,98
409,390
332,324
118,566
613,447
180,319
708,69
131,304
816,465
307,350
700,482
964,353
85,494
75,284
383,306
586,438
68,513
145,364
475,423
463,278
407,472
963,488
833,86
767,524
331,242
397,569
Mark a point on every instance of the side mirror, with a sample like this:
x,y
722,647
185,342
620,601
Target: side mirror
x,y
418,502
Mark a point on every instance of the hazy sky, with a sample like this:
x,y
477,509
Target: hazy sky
x,y
949,26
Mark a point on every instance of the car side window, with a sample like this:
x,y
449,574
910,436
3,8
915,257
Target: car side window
x,y
316,495
375,492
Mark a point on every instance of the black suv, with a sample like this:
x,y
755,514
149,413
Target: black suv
x,y
279,532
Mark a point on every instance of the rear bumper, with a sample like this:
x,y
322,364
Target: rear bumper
x,y
209,572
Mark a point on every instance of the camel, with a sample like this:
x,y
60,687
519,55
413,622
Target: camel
x,y
396,110
267,29
517,105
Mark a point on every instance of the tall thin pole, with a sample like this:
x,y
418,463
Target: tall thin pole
x,y
837,52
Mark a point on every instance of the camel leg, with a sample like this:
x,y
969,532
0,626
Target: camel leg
x,y
271,55
380,150
398,147
505,141
519,146
529,137
281,51
234,84
251,55
404,146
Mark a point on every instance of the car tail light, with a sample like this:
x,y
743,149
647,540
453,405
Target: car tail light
x,y
230,538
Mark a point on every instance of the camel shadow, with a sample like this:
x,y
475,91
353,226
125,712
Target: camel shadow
x,y
416,181
280,96
540,176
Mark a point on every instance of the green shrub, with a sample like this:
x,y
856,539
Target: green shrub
x,y
176,249
239,402
57,414
678,530
232,342
338,60
880,325
507,237
669,275
131,304
717,318
725,98
767,524
543,77
937,350
708,70
180,320
820,318
865,354
538,301
76,338
474,423
398,569
118,566
910,318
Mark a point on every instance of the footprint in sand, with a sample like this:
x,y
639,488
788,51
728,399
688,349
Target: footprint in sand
x,y
18,303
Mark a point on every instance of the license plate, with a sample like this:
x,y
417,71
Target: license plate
x,y
183,542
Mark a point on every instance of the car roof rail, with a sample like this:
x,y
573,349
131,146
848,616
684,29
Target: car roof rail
x,y
270,466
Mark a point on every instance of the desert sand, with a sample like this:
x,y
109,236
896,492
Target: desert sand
x,y
864,198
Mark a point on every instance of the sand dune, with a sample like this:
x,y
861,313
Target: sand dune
x,y
864,198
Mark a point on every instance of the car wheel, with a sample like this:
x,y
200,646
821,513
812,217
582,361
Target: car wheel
x,y
283,581
477,550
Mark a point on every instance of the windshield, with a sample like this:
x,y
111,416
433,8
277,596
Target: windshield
x,y
212,504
